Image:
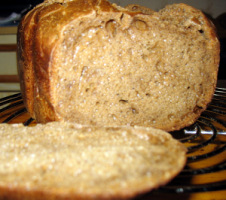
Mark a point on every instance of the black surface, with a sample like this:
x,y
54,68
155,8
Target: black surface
x,y
17,6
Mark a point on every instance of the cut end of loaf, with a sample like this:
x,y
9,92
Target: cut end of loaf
x,y
114,66
133,70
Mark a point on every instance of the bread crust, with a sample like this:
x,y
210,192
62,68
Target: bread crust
x,y
40,32
138,8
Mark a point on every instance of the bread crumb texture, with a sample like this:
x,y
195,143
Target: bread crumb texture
x,y
107,65
70,161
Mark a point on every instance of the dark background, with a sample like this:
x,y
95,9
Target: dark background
x,y
9,6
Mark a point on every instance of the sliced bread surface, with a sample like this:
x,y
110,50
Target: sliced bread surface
x,y
92,62
70,161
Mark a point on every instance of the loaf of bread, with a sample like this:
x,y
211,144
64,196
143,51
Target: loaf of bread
x,y
61,160
96,63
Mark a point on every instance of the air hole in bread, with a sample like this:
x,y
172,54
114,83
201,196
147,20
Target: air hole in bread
x,y
201,31
121,17
114,117
141,25
134,110
134,8
62,3
111,27
123,101
171,116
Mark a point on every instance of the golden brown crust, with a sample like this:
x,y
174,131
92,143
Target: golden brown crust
x,y
25,62
41,30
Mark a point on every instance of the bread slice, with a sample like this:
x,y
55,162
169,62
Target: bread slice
x,y
92,62
70,161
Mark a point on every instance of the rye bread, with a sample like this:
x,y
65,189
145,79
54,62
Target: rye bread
x,y
93,62
69,161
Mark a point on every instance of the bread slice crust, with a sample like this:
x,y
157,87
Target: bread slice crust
x,y
170,94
